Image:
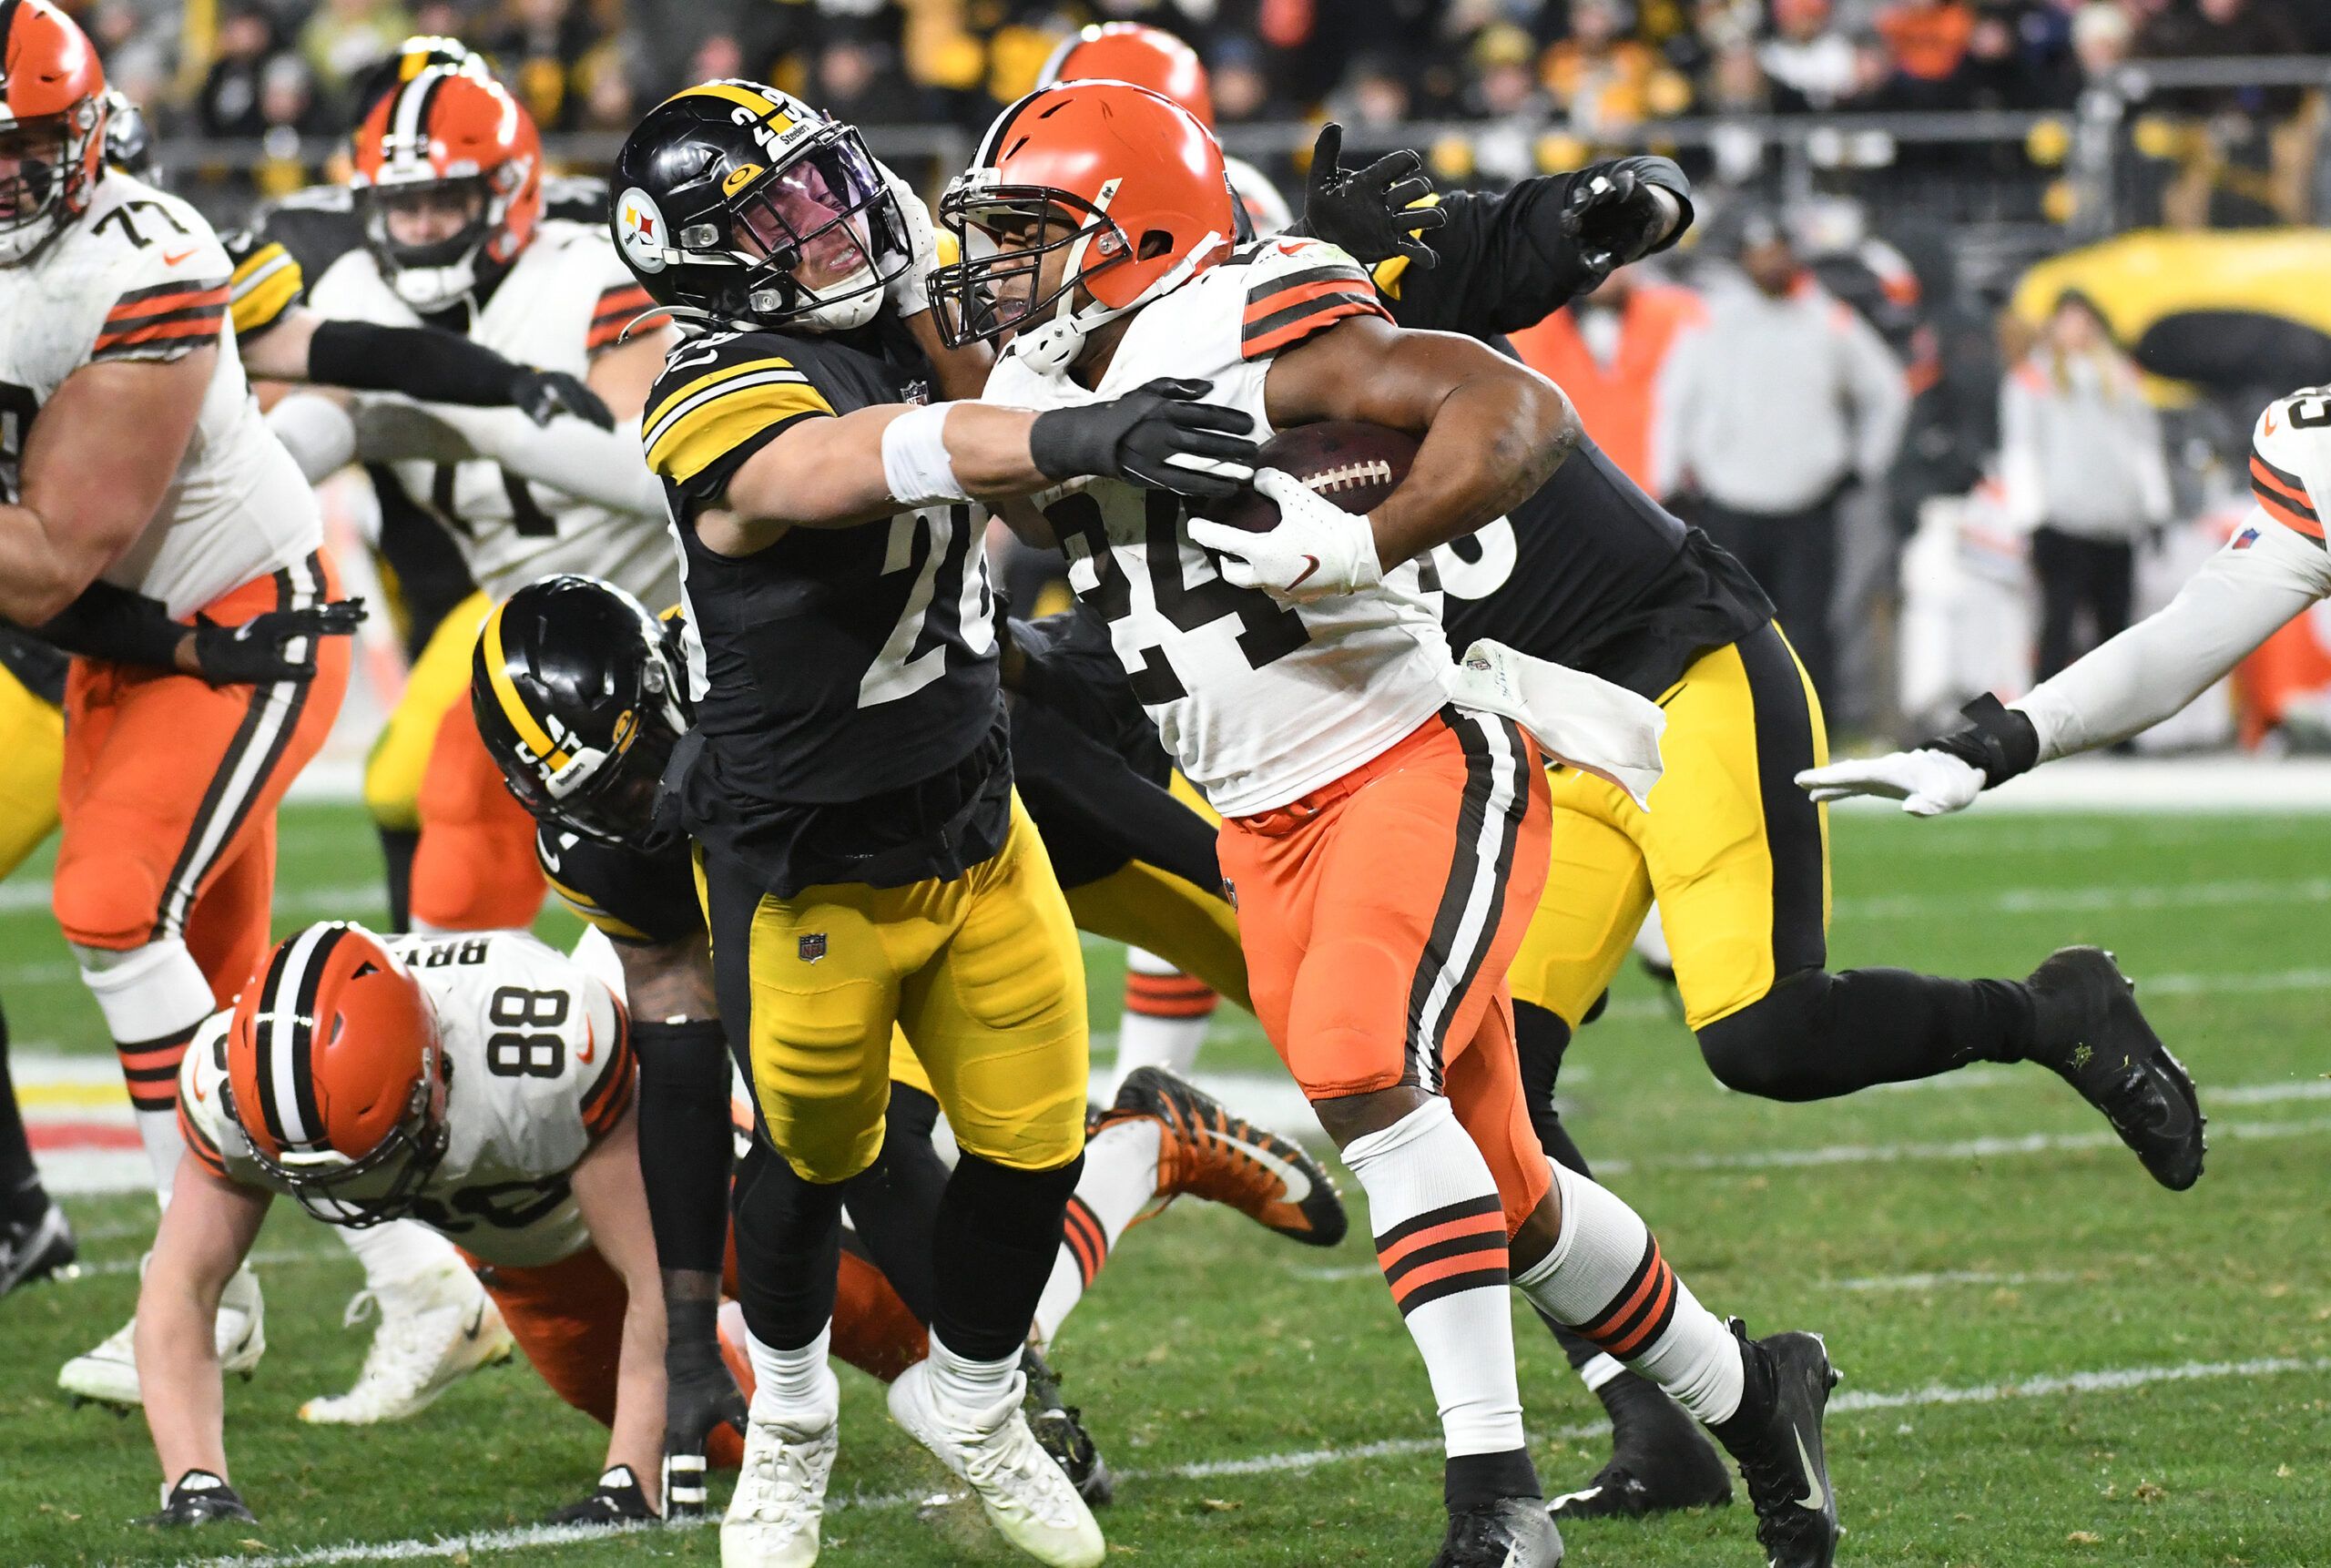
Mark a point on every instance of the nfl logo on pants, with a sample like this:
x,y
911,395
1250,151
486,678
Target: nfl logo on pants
x,y
813,947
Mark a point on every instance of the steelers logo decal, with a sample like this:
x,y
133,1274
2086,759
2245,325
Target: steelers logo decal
x,y
639,230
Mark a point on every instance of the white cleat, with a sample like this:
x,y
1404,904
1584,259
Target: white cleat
x,y
1027,1496
780,1497
108,1374
443,1330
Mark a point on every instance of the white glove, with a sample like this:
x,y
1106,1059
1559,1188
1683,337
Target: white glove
x,y
909,293
1928,783
1317,550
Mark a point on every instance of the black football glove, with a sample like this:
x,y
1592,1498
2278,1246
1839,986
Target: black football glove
x,y
618,1499
1370,212
544,395
698,1396
1613,218
255,653
199,1497
1151,436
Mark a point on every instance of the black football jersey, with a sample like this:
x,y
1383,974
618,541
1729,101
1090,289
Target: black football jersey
x,y
641,898
839,668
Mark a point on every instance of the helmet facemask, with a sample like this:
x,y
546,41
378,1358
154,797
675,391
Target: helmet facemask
x,y
432,275
385,1182
1004,234
52,156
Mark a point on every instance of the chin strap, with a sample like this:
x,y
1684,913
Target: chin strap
x,y
1052,348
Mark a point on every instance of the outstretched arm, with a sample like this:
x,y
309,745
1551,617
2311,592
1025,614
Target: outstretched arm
x,y
422,362
205,1233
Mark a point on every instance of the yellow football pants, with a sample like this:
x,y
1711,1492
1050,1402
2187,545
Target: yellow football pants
x,y
1736,855
32,757
983,974
440,677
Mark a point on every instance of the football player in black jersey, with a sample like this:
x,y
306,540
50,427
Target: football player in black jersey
x,y
865,865
1593,572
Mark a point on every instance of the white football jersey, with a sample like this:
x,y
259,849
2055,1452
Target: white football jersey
x,y
2290,460
140,276
542,1067
1260,702
566,296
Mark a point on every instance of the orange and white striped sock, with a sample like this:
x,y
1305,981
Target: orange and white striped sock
x,y
1606,1279
1166,1018
1119,1179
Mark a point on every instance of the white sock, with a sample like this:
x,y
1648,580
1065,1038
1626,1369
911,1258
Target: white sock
x,y
795,1388
1606,1279
973,1388
1441,1241
153,998
1599,1371
1119,1180
399,1255
1166,1018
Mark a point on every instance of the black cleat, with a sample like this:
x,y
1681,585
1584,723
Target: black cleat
x,y
2092,1034
199,1498
36,1249
1660,1460
1060,1432
1207,1151
1781,1457
1510,1533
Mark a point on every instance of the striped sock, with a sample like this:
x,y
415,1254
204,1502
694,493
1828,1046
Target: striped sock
x,y
1441,1241
1119,1180
154,998
1606,1279
1166,1018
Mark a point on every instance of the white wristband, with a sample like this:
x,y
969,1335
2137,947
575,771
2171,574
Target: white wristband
x,y
915,464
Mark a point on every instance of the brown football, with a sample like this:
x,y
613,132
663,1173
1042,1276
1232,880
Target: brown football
x,y
1354,465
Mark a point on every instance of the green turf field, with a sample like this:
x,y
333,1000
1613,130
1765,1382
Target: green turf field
x,y
2049,1360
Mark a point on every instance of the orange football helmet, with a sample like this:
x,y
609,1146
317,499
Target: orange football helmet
x,y
336,1075
52,126
1137,53
448,134
1127,184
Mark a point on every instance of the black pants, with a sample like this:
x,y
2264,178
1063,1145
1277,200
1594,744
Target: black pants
x,y
2077,573
1793,556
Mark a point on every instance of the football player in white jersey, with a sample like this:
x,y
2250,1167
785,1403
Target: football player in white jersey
x,y
1384,844
449,189
481,1085
2272,569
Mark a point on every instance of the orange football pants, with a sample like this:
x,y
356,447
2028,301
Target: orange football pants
x,y
567,1318
169,788
1378,914
475,868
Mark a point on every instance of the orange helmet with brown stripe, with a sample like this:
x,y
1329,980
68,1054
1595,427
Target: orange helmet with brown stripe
x,y
336,1075
449,178
51,124
1124,187
1138,53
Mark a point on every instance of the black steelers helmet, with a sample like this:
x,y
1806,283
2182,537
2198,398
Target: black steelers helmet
x,y
578,693
738,203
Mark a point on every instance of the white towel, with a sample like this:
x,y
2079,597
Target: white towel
x,y
1579,719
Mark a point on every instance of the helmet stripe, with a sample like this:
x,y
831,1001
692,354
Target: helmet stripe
x,y
763,108
263,1044
505,692
304,1032
409,120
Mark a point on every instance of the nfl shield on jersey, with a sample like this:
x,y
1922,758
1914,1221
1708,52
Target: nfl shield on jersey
x,y
1238,682
541,1068
140,276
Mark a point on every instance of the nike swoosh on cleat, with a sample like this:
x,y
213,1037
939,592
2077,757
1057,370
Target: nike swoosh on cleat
x,y
1815,1498
477,1321
1589,1495
1297,1185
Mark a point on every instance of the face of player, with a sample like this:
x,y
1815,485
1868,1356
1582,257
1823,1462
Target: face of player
x,y
31,159
1015,289
813,219
433,214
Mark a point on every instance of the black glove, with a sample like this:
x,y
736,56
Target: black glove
x,y
199,1497
1998,738
618,1500
253,654
1370,212
698,1396
1138,437
1612,218
544,395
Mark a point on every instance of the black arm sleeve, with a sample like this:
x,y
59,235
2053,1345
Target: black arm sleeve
x,y
419,361
1505,262
110,623
684,1140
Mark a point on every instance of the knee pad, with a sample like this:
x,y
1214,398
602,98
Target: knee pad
x,y
1757,1050
107,900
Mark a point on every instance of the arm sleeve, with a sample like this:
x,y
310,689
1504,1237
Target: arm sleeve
x,y
572,456
2246,592
111,623
419,361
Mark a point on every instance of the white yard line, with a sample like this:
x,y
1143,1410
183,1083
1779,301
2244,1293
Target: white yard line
x,y
1948,1277
257,1260
2110,897
1961,1149
2108,1380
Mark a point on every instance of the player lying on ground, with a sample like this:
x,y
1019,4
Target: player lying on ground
x,y
583,660
2272,569
1304,684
